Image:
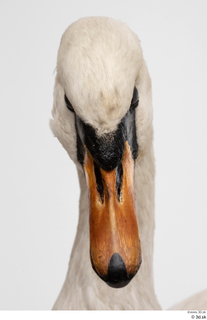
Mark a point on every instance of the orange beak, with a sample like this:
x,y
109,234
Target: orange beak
x,y
115,248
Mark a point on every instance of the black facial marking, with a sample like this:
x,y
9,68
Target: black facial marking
x,y
107,150
68,104
80,147
135,98
130,131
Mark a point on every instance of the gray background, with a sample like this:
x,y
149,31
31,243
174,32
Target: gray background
x,y
39,186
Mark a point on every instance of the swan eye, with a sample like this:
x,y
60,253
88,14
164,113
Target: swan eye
x,y
135,99
68,104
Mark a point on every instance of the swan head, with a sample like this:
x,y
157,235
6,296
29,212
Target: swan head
x,y
102,116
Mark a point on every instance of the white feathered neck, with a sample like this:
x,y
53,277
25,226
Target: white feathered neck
x,y
92,51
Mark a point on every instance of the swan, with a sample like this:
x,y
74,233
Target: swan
x,y
102,115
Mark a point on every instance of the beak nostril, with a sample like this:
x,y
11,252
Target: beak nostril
x,y
119,176
99,181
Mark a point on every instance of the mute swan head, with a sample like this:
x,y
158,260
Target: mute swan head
x,y
102,116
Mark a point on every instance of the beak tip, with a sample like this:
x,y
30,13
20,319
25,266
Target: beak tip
x,y
117,276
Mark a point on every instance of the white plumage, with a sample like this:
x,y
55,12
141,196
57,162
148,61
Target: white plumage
x,y
99,62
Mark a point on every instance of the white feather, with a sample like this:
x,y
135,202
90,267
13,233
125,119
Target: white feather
x,y
99,62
